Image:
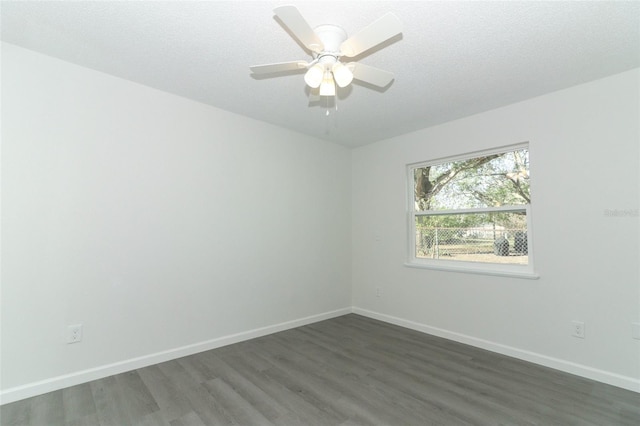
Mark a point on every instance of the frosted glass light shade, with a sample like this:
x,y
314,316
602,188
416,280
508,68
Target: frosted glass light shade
x,y
327,87
314,76
342,75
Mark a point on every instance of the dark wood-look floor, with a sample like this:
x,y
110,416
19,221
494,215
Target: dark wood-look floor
x,y
345,371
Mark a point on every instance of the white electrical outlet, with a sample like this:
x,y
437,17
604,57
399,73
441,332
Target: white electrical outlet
x,y
74,333
378,291
577,329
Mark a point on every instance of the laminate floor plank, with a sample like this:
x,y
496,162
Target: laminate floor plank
x,y
298,411
89,420
397,361
339,361
458,367
460,405
246,389
395,372
79,405
137,398
197,368
187,396
330,390
503,390
241,411
152,419
462,377
172,402
16,413
361,386
189,419
304,383
109,403
482,372
345,371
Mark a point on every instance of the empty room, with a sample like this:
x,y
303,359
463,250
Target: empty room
x,y
320,213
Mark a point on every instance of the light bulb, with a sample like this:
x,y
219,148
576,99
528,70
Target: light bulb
x,y
314,76
327,87
342,75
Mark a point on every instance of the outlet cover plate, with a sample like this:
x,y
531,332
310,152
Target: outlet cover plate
x,y
74,333
578,329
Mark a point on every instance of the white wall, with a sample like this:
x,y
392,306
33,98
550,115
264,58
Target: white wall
x,y
584,147
166,226
155,221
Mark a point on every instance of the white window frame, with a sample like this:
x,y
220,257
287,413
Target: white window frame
x,y
499,269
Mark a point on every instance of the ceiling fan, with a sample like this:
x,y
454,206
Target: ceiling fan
x,y
328,44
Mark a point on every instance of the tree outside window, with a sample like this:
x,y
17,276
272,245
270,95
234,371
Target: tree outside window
x,y
472,209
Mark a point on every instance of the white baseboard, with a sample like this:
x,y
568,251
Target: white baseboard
x,y
607,377
60,382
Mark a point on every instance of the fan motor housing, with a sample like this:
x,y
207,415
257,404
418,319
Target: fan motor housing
x,y
332,37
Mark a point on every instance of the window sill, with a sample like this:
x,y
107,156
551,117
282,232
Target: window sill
x,y
475,270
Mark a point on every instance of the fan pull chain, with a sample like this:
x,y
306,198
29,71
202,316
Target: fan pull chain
x,y
327,113
326,116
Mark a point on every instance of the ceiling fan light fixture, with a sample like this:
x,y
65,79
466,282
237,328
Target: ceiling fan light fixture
x,y
314,76
327,87
342,75
327,43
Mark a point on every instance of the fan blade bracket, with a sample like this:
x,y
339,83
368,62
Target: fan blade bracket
x,y
291,17
372,35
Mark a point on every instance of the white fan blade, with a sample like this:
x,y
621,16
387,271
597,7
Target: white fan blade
x,y
278,67
372,35
371,75
292,19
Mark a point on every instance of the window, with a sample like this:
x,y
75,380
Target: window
x,y
471,213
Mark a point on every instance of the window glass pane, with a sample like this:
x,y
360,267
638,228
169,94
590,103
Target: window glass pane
x,y
488,181
473,237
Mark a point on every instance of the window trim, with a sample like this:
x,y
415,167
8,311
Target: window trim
x,y
483,268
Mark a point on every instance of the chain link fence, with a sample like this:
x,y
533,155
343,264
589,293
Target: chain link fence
x,y
473,244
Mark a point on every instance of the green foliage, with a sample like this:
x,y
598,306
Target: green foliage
x,y
488,181
482,182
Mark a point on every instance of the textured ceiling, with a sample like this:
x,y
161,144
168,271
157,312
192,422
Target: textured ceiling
x,y
453,59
